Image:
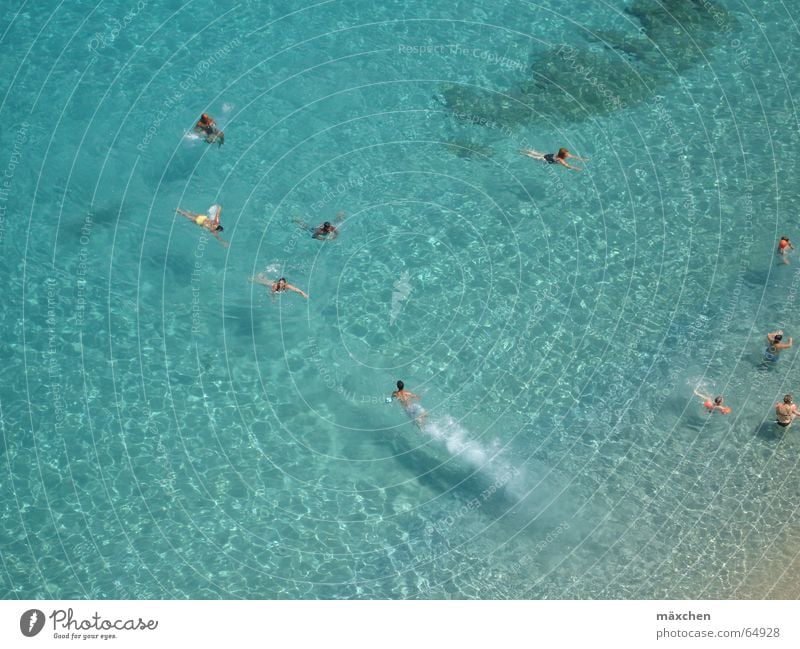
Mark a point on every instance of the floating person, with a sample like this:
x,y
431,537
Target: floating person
x,y
325,231
413,410
208,127
786,412
712,405
554,158
784,246
277,286
209,221
776,344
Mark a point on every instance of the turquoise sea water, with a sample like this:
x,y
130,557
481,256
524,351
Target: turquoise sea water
x,y
170,432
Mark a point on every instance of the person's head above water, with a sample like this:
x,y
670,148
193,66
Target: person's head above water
x,y
787,399
400,385
777,338
219,228
718,400
327,227
562,153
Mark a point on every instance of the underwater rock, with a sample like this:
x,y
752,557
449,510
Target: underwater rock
x,y
680,31
576,83
485,108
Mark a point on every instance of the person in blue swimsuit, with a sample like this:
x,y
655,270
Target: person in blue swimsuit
x,y
776,344
554,158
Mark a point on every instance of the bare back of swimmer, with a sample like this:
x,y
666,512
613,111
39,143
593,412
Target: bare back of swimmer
x,y
407,398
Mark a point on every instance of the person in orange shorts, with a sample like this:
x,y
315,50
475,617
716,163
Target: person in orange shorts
x,y
711,406
784,246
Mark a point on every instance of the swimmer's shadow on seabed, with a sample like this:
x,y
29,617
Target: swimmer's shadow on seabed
x,y
453,477
421,460
769,431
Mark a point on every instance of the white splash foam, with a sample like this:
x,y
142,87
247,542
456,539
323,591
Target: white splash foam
x,y
485,459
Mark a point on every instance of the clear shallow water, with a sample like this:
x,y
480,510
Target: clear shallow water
x,y
168,431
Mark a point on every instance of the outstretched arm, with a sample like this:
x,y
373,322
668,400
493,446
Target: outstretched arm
x,y
296,290
187,214
702,396
569,155
568,165
224,243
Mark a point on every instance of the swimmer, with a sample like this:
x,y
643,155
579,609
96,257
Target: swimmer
x,y
208,126
784,246
209,221
711,406
554,158
277,286
414,410
786,412
324,231
775,346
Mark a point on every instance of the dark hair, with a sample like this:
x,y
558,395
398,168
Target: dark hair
x,y
718,400
327,224
282,279
777,338
220,228
787,398
400,385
